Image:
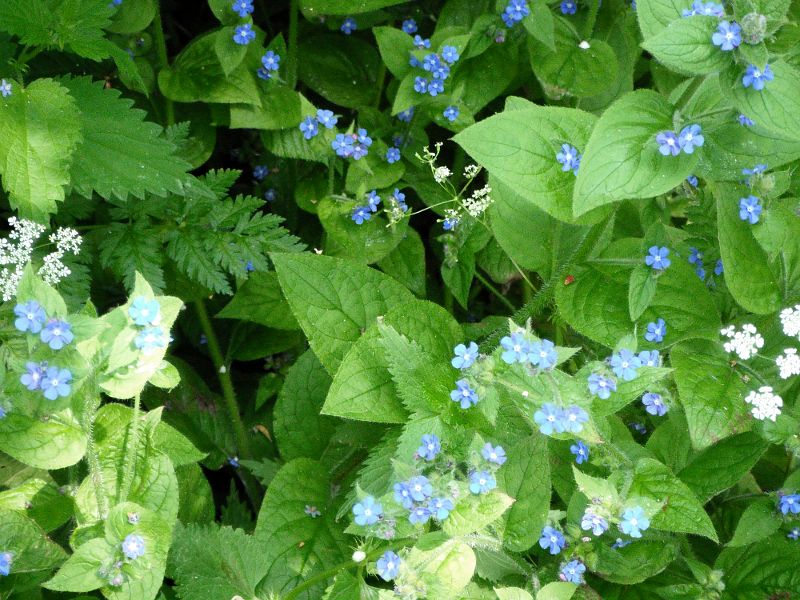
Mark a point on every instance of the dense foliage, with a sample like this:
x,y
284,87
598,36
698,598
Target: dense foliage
x,y
372,299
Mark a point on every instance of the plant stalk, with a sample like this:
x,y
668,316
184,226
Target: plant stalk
x,y
291,59
163,60
95,471
132,453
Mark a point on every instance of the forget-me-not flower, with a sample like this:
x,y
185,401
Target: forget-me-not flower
x,y
654,404
634,521
757,78
750,209
465,356
656,331
552,540
368,511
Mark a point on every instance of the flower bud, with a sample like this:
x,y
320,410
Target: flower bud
x,y
754,28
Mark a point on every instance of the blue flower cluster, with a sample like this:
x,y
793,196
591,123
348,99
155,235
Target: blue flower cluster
x,y
6,558
310,125
709,9
581,452
409,26
388,565
515,11
439,68
518,349
147,314
348,26
552,540
364,213
656,331
243,7
270,63
654,404
568,7
572,572
354,145
244,34
5,88
696,258
260,172
569,158
690,137
133,546
554,419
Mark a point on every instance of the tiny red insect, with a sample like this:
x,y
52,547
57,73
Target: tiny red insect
x,y
569,279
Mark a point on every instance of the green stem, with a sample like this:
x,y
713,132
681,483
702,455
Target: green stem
x,y
28,54
291,58
448,299
95,471
709,113
487,284
379,85
331,175
163,60
294,593
132,453
689,92
588,30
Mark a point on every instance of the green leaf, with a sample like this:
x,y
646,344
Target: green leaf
x,y
30,20
229,54
541,24
40,128
345,7
656,15
776,107
41,501
526,477
758,521
621,160
81,571
128,248
518,593
369,242
280,108
406,263
294,546
52,444
260,301
685,46
446,569
710,392
747,272
518,147
682,512
557,590
637,562
641,290
473,513
132,17
394,46
771,570
236,558
121,154
300,401
334,300
32,550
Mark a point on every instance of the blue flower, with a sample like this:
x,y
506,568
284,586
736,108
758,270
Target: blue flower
x,y
144,312
133,546
493,454
450,223
409,26
373,200
728,36
430,447
654,404
516,348
271,61
263,74
419,515
450,54
601,386
421,42
30,316
435,87
260,172
745,122
692,181
597,524
56,334
2,413
243,7
400,198
550,418
789,503
573,572
649,358
431,61
753,76
709,9
342,144
749,209
569,157
695,256
464,356
451,113
270,196
464,394
481,482
624,364
634,521
718,268
691,137
656,331
420,488
757,170
638,428
402,494
368,511
794,534
405,116
515,11
234,462
326,118
361,214
349,26
150,339
392,155
552,540
574,418
568,7
244,34
6,559
581,452
388,565
56,383
32,378
657,258
668,143
310,129
440,507
5,88
700,272
543,354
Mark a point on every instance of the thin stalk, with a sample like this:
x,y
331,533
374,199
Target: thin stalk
x,y
379,85
350,564
487,284
291,59
331,175
163,60
95,471
132,454
689,92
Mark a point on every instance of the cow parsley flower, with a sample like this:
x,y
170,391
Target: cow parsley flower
x,y
368,511
56,334
790,321
243,7
133,546
591,521
441,174
481,482
656,331
552,540
244,34
349,26
55,383
657,258
493,454
625,364
727,36
5,88
601,386
750,209
654,404
764,404
550,418
744,343
668,143
464,356
429,447
691,137
581,452
478,202
788,363
634,521
388,565
464,394
409,26
144,312
573,572
757,78
30,317
451,113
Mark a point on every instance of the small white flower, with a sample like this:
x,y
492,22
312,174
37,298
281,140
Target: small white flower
x,y
745,343
584,45
764,404
359,556
790,321
480,200
471,171
440,174
788,363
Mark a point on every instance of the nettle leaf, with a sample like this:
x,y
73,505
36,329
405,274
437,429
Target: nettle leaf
x,y
294,546
682,512
40,128
335,300
121,153
748,275
710,391
751,574
656,15
621,160
519,147
758,521
685,46
29,20
777,106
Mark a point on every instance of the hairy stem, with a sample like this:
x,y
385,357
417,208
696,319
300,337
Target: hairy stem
x,y
291,58
95,471
163,60
487,284
131,454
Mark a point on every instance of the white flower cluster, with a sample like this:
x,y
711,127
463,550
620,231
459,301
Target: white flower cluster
x,y
790,321
764,404
441,174
744,343
478,202
788,363
17,249
471,171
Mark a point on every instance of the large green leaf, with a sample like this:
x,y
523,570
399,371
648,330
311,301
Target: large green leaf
x,y
756,572
621,160
40,128
656,15
757,522
259,300
344,7
335,300
406,263
33,553
685,46
52,444
634,563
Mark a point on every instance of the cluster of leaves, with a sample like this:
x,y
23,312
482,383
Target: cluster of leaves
x,y
554,357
